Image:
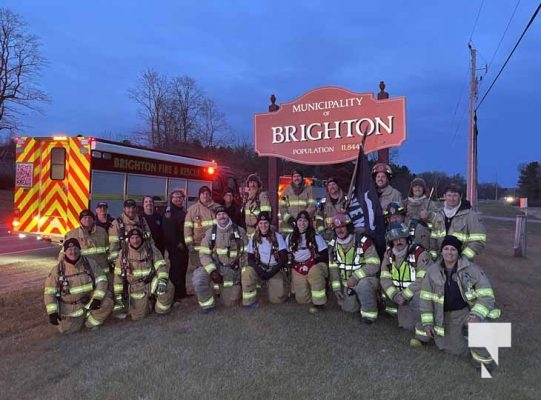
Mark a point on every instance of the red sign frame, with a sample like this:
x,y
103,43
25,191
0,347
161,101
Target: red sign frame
x,y
327,125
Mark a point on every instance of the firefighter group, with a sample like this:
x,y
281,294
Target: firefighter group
x,y
426,276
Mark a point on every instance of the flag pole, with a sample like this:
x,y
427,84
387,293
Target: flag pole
x,y
354,173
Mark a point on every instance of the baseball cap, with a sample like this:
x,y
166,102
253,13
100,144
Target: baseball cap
x,y
130,203
102,204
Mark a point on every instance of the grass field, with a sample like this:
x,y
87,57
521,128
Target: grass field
x,y
275,352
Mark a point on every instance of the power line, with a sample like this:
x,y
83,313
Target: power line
x,y
476,19
509,57
504,33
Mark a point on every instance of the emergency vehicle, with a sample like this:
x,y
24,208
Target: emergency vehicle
x,y
57,177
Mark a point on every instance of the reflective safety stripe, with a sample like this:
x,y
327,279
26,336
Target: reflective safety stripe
x,y
335,285
427,318
118,306
319,294
188,240
92,321
483,360
408,294
391,310
93,250
386,274
52,308
420,332
468,252
159,264
216,287
369,314
207,303
50,290
81,289
209,268
205,250
372,260
99,294
79,313
495,313
163,275
248,295
101,278
440,331
228,283
480,309
477,237
161,306
359,274
425,295
420,274
433,254
487,292
118,287
391,291
137,295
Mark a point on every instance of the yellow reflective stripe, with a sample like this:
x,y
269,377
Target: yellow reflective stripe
x,y
81,289
209,268
359,274
386,274
248,295
477,237
188,224
461,236
468,252
333,265
286,217
199,248
372,260
163,275
433,254
50,290
228,283
141,273
205,250
485,292
312,201
79,313
207,303
391,291
93,250
207,223
188,240
294,202
425,295
159,264
427,318
319,217
319,294
161,306
495,313
391,310
137,295
113,239
101,278
420,274
408,294
419,332
335,285
470,296
98,294
118,287
266,208
52,308
437,234
93,321
118,307
480,309
369,314
222,251
440,331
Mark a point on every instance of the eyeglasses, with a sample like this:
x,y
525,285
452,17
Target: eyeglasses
x,y
177,197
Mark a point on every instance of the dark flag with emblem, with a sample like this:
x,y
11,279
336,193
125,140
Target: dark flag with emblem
x,y
364,207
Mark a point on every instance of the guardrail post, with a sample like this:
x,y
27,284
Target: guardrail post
x,y
520,236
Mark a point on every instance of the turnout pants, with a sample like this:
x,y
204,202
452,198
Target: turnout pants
x,y
141,300
230,292
89,318
277,288
311,287
409,316
366,291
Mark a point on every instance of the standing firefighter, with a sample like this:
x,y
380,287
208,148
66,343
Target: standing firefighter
x,y
458,219
455,293
354,267
128,220
334,203
141,278
267,260
402,272
310,256
256,200
75,291
222,258
382,175
199,218
297,197
396,214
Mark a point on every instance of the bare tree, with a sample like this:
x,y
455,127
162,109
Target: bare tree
x,y
20,64
151,93
211,122
186,100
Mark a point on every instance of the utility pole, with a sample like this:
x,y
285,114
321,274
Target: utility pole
x,y
472,135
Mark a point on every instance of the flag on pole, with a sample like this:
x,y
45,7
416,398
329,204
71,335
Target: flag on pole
x,y
364,207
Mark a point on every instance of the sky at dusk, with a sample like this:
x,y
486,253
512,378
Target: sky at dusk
x,y
241,52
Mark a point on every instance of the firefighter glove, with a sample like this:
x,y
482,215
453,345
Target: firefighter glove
x,y
95,304
216,277
54,318
291,221
399,298
162,285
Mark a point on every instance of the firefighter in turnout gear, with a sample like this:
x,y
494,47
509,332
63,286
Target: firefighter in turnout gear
x,y
141,278
309,258
396,214
354,267
75,291
222,257
382,175
267,259
458,219
334,203
456,292
128,220
297,197
199,218
402,272
255,201
419,208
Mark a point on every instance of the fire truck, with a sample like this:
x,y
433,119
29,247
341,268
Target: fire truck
x,y
57,177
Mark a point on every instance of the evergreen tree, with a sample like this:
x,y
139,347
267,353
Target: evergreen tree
x,y
529,181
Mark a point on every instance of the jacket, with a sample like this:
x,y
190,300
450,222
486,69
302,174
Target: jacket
x,y
465,225
474,287
388,195
330,209
94,244
173,227
85,281
129,224
252,208
199,218
291,205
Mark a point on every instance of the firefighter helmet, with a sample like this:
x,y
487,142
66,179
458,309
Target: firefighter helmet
x,y
382,167
394,208
253,178
340,219
397,231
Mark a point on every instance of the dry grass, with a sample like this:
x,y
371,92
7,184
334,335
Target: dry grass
x,y
276,352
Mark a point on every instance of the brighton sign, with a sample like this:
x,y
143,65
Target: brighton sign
x,y
327,125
